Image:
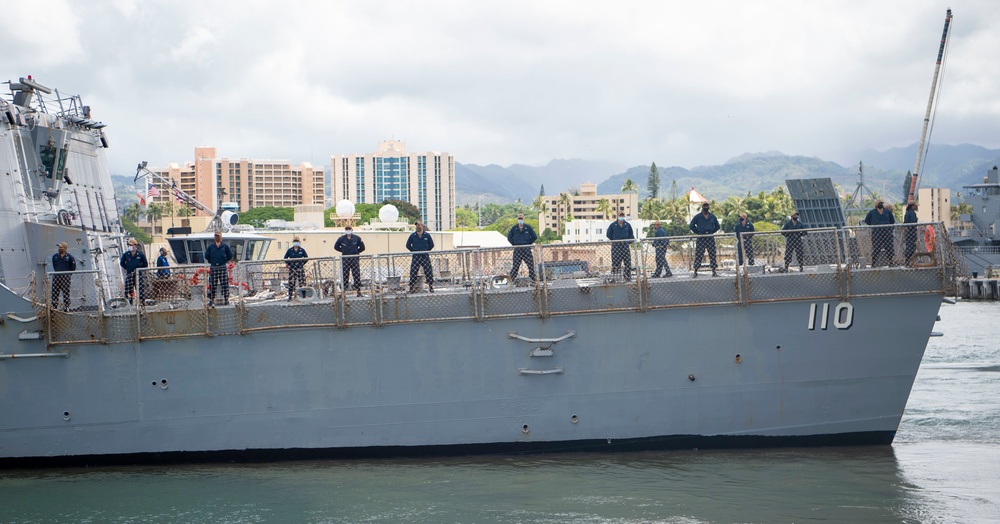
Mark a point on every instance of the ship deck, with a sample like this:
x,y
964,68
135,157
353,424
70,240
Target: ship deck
x,y
476,285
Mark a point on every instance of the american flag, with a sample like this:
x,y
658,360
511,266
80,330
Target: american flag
x,y
152,191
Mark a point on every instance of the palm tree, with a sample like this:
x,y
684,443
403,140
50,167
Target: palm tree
x,y
154,212
604,207
538,204
169,210
653,209
133,212
184,212
564,201
629,186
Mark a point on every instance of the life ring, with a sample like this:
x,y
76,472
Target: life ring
x,y
201,271
929,238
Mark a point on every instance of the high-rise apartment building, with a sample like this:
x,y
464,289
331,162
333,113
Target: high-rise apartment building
x,y
249,183
935,204
426,180
586,206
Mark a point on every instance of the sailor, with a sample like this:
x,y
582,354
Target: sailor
x,y
350,246
62,261
705,225
660,244
218,255
620,230
132,260
744,233
420,242
910,233
163,262
882,249
522,236
296,268
793,240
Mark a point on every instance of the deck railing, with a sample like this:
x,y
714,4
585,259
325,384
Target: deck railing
x,y
491,283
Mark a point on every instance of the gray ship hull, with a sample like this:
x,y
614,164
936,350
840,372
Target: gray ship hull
x,y
658,379
590,356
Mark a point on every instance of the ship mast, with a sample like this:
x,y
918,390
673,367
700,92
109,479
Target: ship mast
x,y
930,105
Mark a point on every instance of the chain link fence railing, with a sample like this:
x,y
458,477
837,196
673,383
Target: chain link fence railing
x,y
436,285
795,265
679,285
173,301
507,281
279,293
357,304
74,304
916,261
592,276
80,307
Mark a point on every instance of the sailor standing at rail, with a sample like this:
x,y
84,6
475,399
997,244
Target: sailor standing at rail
x,y
132,260
910,233
744,234
793,240
421,242
620,230
882,247
62,261
218,255
163,263
296,268
704,224
522,236
660,244
350,246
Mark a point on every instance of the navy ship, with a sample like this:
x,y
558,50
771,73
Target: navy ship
x,y
979,241
580,348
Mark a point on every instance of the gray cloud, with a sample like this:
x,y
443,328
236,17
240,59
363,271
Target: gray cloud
x,y
502,82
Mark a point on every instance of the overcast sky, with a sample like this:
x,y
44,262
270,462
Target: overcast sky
x,y
679,83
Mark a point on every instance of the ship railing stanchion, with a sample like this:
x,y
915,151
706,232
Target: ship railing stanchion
x,y
541,282
849,247
46,288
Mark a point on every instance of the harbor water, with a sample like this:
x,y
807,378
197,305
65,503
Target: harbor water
x,y
943,467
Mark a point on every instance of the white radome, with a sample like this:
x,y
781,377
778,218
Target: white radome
x,y
345,209
388,214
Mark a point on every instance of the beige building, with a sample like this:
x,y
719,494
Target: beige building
x,y
426,180
247,183
934,205
585,206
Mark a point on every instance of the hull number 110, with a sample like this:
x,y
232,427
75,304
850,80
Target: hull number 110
x,y
819,316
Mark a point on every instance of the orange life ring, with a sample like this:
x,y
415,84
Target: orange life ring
x,y
929,238
201,271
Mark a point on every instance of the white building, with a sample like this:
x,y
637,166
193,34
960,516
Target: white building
x,y
426,180
596,230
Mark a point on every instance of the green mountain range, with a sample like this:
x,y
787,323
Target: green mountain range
x,y
884,172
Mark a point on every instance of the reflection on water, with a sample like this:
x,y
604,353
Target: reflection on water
x,y
942,468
